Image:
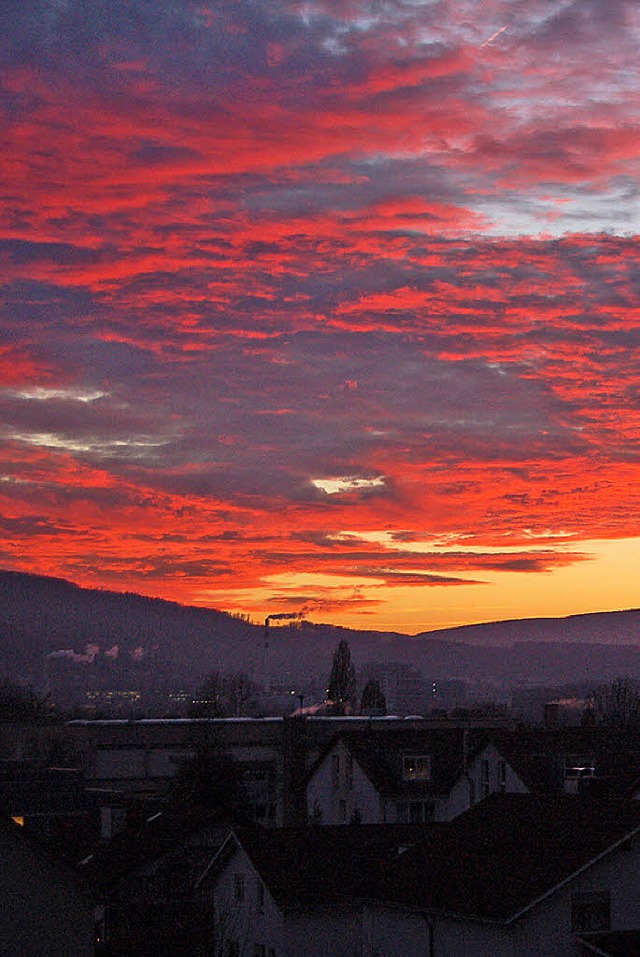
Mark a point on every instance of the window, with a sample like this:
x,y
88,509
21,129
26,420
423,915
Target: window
x,y
259,950
342,811
415,812
349,771
238,888
232,948
590,911
484,776
502,776
579,768
416,767
335,770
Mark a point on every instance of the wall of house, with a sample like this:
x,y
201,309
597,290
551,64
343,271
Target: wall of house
x,y
356,932
254,920
459,797
136,766
618,872
466,938
546,928
332,798
390,932
330,933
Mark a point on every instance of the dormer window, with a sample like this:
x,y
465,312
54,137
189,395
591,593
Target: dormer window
x,y
416,767
576,768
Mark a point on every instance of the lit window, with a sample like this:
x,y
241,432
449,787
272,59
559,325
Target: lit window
x,y
579,769
416,767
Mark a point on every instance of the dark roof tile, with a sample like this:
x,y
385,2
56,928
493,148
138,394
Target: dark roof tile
x,y
491,863
512,849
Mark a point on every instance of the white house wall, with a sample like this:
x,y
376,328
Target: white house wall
x,y
459,796
545,930
361,932
332,933
324,793
250,921
390,932
618,872
465,938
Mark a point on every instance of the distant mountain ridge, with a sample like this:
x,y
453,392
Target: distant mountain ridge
x,y
602,627
47,622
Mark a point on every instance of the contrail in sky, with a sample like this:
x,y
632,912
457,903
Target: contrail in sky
x,y
496,34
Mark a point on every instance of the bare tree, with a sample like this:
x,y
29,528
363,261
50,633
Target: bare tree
x,y
210,702
616,704
224,696
242,692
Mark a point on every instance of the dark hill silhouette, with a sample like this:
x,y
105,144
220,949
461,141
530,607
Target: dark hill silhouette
x,y
607,627
48,619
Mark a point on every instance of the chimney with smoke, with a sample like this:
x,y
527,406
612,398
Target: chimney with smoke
x,y
279,616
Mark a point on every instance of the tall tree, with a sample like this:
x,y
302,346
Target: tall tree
x,y
342,680
373,700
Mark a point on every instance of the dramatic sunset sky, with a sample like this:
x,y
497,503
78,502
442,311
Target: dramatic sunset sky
x,y
323,304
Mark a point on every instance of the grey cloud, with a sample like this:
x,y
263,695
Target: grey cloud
x,y
39,304
22,251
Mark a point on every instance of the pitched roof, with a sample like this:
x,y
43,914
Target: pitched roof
x,y
621,943
492,863
14,842
500,857
379,753
325,866
150,838
537,755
